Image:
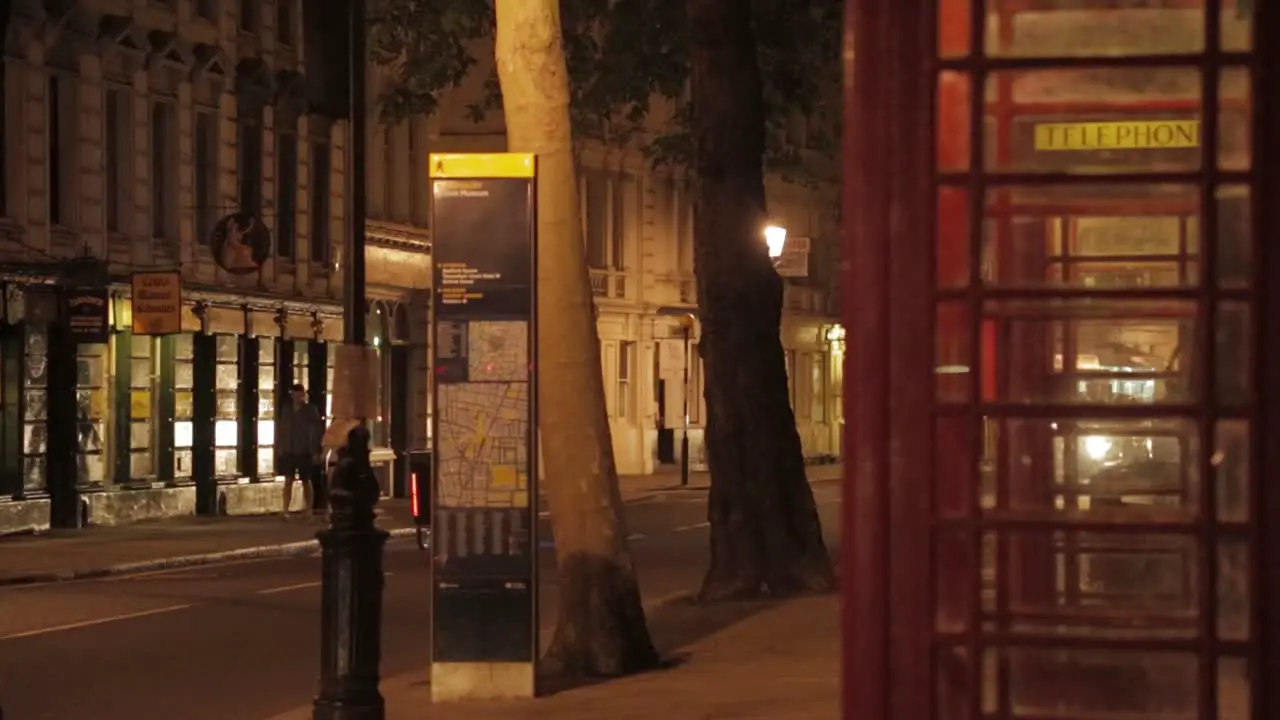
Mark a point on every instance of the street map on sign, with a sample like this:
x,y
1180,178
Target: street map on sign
x,y
483,445
498,351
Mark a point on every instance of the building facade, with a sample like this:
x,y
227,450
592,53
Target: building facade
x,y
141,123
638,227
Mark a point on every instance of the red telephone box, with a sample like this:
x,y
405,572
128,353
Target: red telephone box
x,y
1061,492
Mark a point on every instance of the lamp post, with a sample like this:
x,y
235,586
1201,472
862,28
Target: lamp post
x,y
775,238
686,324
351,575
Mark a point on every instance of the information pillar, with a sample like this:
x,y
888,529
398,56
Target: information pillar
x,y
484,480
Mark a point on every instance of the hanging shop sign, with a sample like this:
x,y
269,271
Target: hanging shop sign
x,y
157,303
88,313
484,486
1122,135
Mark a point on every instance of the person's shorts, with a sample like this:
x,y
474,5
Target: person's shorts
x,y
296,466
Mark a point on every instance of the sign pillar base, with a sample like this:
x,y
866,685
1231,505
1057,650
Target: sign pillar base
x,y
458,682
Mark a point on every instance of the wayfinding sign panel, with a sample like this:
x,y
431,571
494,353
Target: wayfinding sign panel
x,y
484,488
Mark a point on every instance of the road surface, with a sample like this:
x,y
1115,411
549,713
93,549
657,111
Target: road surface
x,y
240,640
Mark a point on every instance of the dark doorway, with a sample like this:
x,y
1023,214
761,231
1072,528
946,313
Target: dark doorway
x,y
666,435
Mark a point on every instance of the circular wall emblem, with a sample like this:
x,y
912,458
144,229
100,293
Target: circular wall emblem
x,y
240,243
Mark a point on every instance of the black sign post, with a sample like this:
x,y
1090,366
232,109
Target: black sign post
x,y
484,475
88,311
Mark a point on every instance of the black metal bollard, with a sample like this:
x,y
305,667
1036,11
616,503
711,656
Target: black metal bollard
x,y
351,591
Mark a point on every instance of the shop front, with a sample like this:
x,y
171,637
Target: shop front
x,y
144,426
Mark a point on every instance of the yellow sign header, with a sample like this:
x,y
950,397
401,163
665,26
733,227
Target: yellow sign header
x,y
482,165
1124,135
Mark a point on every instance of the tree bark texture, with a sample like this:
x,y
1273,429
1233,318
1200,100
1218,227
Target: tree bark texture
x,y
601,627
766,537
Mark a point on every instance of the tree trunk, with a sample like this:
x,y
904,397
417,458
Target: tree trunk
x,y
601,627
765,532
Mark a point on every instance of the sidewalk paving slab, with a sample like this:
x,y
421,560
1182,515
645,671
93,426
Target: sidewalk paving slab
x,y
780,663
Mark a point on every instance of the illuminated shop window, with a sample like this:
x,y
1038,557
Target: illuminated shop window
x,y
35,410
91,413
266,408
142,399
226,425
183,404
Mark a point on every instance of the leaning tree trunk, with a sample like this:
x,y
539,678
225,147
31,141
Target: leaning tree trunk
x,y
765,532
601,628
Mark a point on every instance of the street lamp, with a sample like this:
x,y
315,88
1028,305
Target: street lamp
x,y
775,238
351,562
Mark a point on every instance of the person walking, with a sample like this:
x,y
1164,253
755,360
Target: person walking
x,y
302,430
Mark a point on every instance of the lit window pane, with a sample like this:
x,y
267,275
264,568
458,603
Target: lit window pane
x,y
1062,236
183,434
1233,590
1080,683
225,433
266,432
1231,468
1091,352
1237,27
1091,29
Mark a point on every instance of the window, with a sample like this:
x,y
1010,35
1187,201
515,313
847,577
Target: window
x,y
626,358
331,354
302,361
206,171
142,378
249,145
266,407
419,209
622,207
226,425
608,209
249,15
91,413
116,137
286,190
595,194
183,404
818,388
35,410
682,220
164,172
62,139
320,184
285,31
207,9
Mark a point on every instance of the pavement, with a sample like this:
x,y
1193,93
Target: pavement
x,y
240,639
185,542
769,660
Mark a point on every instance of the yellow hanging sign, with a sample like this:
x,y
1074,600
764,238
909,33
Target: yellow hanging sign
x,y
1122,135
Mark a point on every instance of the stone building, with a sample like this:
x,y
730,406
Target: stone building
x,y
132,127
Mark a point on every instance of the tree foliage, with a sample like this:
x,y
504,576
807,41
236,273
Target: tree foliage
x,y
621,55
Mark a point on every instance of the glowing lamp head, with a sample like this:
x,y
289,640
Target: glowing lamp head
x,y
775,238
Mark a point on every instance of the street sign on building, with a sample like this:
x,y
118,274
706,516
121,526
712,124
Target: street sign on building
x,y
88,310
794,261
484,477
157,303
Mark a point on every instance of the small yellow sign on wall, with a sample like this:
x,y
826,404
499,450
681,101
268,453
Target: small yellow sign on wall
x,y
1124,135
